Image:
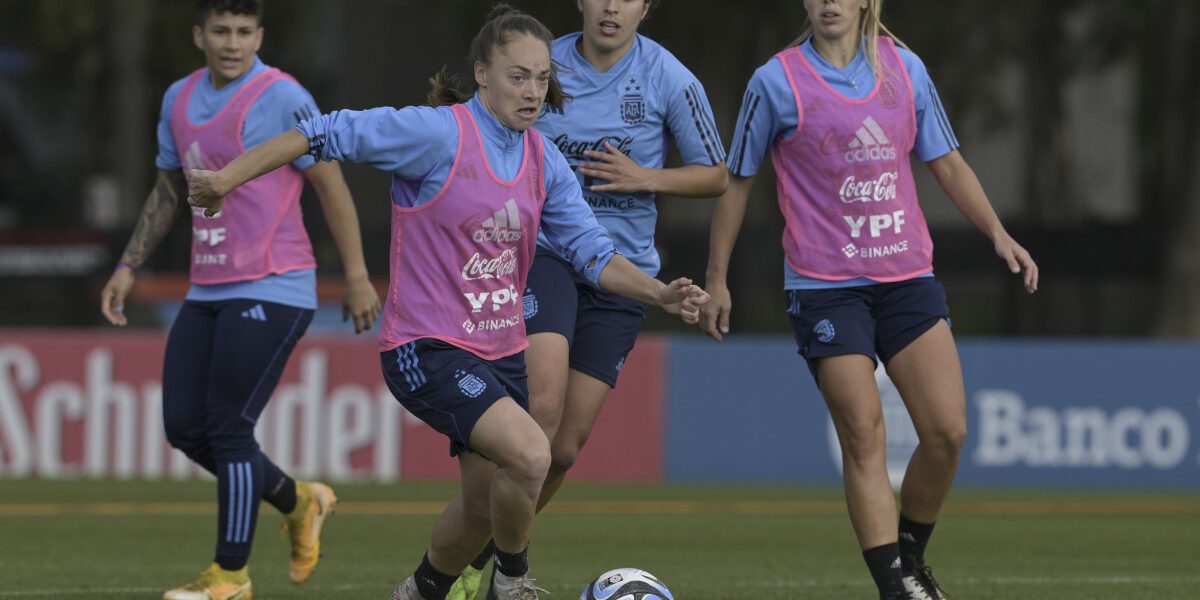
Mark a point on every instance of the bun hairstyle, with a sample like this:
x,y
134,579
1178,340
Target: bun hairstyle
x,y
503,24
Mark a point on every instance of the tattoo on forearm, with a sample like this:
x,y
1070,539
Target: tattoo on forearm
x,y
158,215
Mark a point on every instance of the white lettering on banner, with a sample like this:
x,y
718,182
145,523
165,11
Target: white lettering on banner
x,y
881,189
1086,437
209,235
58,402
349,429
23,367
109,413
478,267
500,298
877,223
107,399
310,426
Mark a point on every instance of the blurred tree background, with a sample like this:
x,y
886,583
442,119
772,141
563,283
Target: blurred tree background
x,y
1078,115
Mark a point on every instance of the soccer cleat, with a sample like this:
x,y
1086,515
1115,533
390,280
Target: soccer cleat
x,y
314,502
407,590
467,585
504,587
921,585
215,583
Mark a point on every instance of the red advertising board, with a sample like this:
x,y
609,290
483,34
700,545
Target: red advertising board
x,y
89,403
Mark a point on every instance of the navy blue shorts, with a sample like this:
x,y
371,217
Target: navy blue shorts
x,y
874,320
450,388
600,327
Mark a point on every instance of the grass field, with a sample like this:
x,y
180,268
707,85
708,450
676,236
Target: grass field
x,y
104,540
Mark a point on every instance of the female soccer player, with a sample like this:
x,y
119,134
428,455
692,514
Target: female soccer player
x,y
628,94
253,287
471,183
840,111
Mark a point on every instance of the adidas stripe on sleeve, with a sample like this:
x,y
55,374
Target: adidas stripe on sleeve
x,y
768,111
690,121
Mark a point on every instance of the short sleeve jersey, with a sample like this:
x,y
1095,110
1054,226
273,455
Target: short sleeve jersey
x,y
642,104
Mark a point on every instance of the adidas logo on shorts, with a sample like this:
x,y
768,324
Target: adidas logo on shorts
x,y
255,313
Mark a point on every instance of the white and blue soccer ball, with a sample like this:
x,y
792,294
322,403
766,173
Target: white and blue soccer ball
x,y
626,584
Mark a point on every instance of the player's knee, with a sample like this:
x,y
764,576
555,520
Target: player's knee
x,y
862,439
182,437
564,454
233,446
531,461
948,441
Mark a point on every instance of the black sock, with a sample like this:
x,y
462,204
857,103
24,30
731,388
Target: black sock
x,y
884,563
481,561
913,539
433,584
513,565
279,491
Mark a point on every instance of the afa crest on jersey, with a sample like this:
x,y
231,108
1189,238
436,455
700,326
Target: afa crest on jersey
x,y
633,103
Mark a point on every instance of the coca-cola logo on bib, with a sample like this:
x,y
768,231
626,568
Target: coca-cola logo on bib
x,y
880,189
479,267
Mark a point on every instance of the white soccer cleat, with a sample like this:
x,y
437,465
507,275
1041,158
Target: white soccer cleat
x,y
922,586
407,590
513,588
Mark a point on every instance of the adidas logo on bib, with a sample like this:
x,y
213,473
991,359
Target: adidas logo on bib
x,y
504,226
870,143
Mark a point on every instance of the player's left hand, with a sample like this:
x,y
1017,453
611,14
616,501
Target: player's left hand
x,y
622,174
1019,261
682,297
205,191
360,301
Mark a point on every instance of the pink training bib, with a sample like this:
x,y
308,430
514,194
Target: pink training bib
x,y
260,230
845,183
459,261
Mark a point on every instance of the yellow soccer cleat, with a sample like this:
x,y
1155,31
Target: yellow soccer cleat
x,y
215,583
467,585
314,502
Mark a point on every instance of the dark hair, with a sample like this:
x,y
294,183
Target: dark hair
x,y
503,23
204,8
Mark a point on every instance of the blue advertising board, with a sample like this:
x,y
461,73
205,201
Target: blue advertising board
x,y
1097,414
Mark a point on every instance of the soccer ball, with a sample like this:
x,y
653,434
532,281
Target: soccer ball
x,y
626,584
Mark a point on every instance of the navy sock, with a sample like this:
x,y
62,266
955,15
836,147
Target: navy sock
x,y
884,563
279,490
433,584
488,551
913,539
239,487
513,565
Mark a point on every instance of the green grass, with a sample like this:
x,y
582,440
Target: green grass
x,y
107,540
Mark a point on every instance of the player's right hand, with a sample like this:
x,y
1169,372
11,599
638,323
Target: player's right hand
x,y
714,315
205,191
112,299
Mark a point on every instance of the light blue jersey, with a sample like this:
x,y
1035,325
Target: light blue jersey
x,y
769,112
277,110
639,105
417,145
